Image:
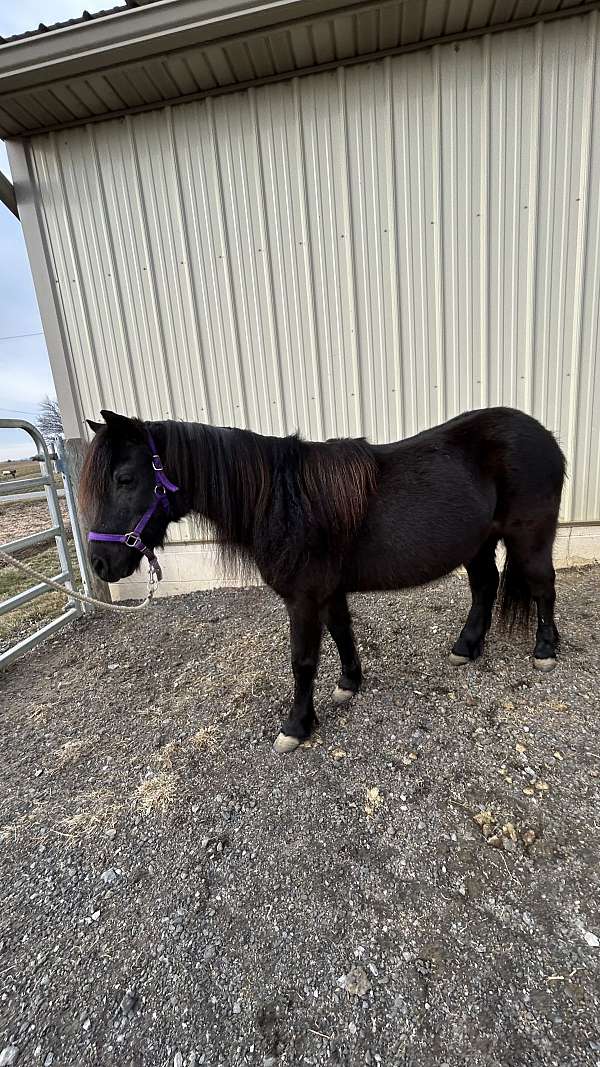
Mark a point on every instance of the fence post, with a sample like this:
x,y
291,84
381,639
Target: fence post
x,y
74,451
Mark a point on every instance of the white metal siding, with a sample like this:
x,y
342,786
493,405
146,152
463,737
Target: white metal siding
x,y
365,251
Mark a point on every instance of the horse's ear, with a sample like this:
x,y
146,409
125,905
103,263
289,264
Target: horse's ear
x,y
95,426
117,422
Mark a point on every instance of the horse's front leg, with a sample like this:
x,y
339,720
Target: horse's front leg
x,y
336,616
305,635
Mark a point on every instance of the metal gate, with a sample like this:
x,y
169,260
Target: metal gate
x,y
40,487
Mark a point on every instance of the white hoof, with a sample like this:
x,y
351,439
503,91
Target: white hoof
x,y
342,696
544,665
285,743
458,661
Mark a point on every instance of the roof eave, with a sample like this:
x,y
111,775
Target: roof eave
x,y
140,32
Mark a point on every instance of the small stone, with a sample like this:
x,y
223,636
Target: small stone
x,y
528,792
589,938
87,1024
355,982
49,1060
178,1060
237,1007
129,1001
9,1055
542,787
496,840
338,754
109,876
520,748
558,756
528,837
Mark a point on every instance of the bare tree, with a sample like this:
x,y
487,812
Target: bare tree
x,y
49,419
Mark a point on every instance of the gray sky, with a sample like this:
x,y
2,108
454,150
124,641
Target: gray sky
x,y
24,369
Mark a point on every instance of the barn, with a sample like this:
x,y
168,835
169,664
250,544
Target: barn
x,y
346,218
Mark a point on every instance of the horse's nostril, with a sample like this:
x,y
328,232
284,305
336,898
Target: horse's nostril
x,y
99,566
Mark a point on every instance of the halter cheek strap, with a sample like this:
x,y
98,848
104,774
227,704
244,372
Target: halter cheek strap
x,y
133,539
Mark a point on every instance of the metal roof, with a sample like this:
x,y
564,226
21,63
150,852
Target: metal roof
x,y
148,53
85,16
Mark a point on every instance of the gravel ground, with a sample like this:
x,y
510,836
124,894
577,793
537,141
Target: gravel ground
x,y
420,885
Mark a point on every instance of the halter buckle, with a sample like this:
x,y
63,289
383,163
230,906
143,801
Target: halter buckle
x,y
156,462
132,540
160,490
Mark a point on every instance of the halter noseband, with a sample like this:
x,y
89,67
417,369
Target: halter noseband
x,y
133,539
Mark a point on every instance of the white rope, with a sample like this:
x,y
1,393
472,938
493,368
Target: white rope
x,y
72,594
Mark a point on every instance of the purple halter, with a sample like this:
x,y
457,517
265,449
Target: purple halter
x,y
133,539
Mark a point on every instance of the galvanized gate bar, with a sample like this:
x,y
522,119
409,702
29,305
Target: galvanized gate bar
x,y
22,483
31,539
57,530
19,599
40,635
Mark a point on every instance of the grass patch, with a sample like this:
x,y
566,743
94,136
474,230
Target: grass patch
x,y
43,608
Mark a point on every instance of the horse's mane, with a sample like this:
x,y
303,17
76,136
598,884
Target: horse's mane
x,y
283,496
95,477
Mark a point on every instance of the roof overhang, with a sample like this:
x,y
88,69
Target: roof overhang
x,y
149,55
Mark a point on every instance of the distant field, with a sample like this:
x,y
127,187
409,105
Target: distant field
x,y
24,467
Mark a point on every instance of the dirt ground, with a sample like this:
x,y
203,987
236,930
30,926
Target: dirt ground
x,y
419,886
19,520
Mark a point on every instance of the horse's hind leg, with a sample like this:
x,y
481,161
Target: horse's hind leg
x,y
533,565
483,579
336,617
305,635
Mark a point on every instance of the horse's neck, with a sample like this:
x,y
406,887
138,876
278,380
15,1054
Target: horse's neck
x,y
227,473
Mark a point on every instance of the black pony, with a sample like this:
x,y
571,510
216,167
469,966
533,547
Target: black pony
x,y
323,520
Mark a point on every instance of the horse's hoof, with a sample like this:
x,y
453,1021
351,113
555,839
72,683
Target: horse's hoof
x,y
285,743
544,665
458,661
342,696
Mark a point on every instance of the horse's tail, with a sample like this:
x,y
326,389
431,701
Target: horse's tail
x,y
515,602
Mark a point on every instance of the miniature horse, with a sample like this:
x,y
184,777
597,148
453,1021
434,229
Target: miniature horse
x,y
321,520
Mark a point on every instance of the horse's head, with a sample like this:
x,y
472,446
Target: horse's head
x,y
119,486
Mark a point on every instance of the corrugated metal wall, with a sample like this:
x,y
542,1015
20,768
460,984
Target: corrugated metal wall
x,y
365,251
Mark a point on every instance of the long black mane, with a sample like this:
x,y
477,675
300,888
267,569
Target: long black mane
x,y
281,500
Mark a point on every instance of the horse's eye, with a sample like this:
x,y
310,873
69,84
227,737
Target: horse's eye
x,y
124,479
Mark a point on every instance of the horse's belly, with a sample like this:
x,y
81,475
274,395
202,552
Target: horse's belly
x,y
386,558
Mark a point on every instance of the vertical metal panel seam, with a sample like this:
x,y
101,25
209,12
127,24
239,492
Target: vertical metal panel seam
x,y
268,270
484,355
100,220
191,299
208,277
307,257
533,209
350,270
167,392
438,240
390,168
62,239
226,260
580,272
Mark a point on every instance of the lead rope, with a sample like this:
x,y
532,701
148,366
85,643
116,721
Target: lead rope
x,y
72,594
